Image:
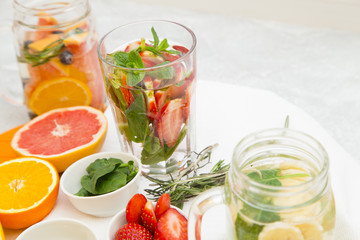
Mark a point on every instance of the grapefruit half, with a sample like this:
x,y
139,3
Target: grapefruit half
x,y
62,136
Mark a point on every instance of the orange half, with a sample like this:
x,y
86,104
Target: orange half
x,y
29,188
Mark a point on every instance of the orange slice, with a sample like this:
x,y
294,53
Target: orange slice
x,y
62,136
59,93
48,41
29,188
2,235
76,39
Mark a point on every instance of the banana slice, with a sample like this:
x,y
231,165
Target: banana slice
x,y
311,231
280,231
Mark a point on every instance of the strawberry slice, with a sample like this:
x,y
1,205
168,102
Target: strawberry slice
x,y
150,59
182,49
162,205
129,98
170,57
134,208
171,225
179,91
169,121
132,46
157,83
148,217
152,109
133,231
160,98
187,104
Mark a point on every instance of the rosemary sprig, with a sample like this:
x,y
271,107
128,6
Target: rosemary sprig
x,y
190,183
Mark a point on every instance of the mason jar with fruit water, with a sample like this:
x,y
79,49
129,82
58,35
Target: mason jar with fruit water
x,y
277,188
55,43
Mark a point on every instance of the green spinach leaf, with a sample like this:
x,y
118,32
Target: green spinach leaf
x,y
137,119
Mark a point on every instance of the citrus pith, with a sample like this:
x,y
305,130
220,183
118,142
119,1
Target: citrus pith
x,y
62,136
29,188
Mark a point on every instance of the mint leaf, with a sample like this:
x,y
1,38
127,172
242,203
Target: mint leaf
x,y
163,45
137,119
155,36
135,57
163,73
268,177
173,52
121,59
153,50
246,230
134,78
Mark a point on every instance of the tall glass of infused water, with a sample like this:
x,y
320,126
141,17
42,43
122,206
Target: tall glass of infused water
x,y
149,71
277,187
55,43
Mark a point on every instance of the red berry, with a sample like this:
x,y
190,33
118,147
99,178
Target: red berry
x,y
169,121
162,205
172,225
133,231
148,218
134,208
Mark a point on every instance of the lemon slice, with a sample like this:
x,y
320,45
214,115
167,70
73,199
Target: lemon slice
x,y
311,231
280,231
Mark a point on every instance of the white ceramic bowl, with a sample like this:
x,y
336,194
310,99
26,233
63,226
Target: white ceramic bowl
x,y
105,205
58,229
120,219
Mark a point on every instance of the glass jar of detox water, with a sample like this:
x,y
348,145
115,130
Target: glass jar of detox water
x,y
55,43
277,188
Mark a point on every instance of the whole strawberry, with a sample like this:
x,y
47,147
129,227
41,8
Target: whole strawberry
x,y
133,231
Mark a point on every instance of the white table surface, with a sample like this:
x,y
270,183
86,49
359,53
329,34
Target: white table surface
x,y
225,119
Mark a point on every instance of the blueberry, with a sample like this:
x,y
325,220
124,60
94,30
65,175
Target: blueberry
x,y
27,43
66,57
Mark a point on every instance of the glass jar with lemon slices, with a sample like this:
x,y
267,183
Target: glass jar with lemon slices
x,y
55,44
277,188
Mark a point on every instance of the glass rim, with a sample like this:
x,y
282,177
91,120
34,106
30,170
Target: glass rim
x,y
191,50
52,11
73,3
275,132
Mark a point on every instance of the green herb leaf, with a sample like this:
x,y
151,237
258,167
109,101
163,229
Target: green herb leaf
x,y
190,181
83,193
137,119
163,73
271,176
163,45
121,58
155,36
106,175
246,230
135,57
134,78
268,177
153,50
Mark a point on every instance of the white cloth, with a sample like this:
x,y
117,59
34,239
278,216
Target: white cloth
x,y
226,113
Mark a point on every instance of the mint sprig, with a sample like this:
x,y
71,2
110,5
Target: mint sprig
x,y
131,60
